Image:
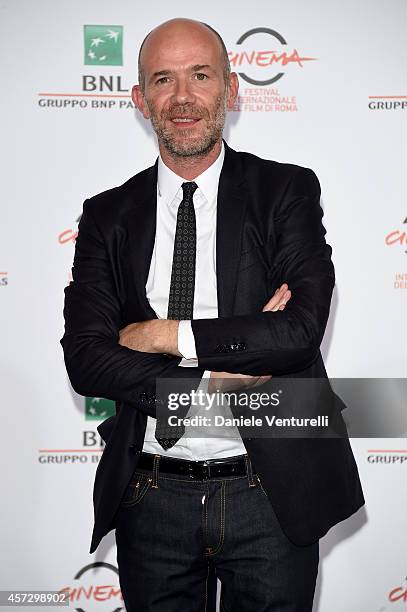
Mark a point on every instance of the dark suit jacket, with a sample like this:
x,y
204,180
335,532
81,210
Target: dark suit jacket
x,y
269,231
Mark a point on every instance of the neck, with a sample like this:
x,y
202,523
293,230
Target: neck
x,y
190,167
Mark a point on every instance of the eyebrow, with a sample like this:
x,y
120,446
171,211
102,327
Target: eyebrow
x,y
194,68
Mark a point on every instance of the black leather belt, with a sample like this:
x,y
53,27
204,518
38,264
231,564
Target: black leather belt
x,y
200,470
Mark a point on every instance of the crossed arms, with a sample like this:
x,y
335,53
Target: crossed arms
x,y
161,336
278,343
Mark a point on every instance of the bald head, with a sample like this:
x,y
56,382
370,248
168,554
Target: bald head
x,y
175,29
185,88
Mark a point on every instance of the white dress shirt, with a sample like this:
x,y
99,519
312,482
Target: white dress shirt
x,y
169,196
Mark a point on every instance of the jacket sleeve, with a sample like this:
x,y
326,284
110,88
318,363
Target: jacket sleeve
x,y
287,341
96,364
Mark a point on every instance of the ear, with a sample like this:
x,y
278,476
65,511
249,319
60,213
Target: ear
x,y
138,98
233,90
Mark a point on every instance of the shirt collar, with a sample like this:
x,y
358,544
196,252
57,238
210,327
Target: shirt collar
x,y
169,183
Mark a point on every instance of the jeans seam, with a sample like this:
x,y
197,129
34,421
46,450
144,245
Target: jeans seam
x,y
156,464
206,589
205,517
222,521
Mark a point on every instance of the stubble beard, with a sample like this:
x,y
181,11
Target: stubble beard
x,y
179,142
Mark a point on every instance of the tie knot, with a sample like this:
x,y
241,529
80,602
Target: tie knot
x,y
189,190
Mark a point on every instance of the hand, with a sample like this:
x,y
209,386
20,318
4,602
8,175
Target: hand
x,y
154,336
227,381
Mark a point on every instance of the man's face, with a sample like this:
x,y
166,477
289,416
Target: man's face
x,y
190,128
185,93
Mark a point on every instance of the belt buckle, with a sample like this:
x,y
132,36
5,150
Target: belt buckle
x,y
199,470
206,470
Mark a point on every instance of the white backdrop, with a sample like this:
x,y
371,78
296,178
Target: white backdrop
x,y
342,113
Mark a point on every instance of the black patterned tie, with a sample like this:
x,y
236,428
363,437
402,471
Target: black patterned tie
x,y
182,289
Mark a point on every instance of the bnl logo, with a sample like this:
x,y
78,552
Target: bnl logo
x,y
103,45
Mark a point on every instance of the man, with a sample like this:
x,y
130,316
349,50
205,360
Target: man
x,y
189,264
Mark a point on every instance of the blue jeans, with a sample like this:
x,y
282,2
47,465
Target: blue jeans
x,y
170,529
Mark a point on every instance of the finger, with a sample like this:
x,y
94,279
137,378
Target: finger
x,y
284,301
281,297
274,300
277,294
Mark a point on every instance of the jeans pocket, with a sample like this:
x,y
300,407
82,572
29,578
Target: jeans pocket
x,y
136,490
259,486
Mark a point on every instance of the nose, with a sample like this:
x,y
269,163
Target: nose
x,y
183,92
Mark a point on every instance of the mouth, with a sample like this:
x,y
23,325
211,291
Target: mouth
x,y
185,121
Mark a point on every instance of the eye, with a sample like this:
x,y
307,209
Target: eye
x,y
201,76
162,80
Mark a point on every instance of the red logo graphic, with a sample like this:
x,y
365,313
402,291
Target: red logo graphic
x,y
95,593
266,57
69,235
398,594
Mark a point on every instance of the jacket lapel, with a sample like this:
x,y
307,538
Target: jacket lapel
x,y
141,226
231,210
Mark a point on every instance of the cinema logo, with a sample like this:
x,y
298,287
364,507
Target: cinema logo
x,y
69,235
262,57
398,594
260,60
95,587
387,103
397,238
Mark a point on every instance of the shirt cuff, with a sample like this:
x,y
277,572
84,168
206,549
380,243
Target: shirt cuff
x,y
186,342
